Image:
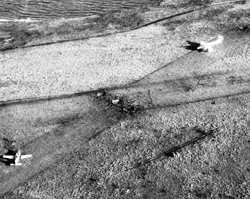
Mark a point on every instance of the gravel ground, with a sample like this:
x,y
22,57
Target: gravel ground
x,y
180,128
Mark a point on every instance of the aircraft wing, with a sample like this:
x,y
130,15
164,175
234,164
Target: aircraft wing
x,y
25,156
9,157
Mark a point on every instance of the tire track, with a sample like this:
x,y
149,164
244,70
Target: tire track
x,y
160,91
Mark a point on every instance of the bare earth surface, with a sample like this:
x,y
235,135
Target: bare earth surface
x,y
180,129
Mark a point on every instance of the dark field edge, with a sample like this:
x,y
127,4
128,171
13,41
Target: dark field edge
x,y
24,36
95,36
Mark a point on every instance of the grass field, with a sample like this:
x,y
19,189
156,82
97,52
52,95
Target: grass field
x,y
180,128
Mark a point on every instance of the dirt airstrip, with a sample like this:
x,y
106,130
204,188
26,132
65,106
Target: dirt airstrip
x,y
179,130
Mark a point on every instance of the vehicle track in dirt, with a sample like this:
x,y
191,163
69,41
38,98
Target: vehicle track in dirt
x,y
75,119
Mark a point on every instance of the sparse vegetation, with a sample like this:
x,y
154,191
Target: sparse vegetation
x,y
216,167
122,19
115,145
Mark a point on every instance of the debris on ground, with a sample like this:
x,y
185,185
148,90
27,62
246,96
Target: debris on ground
x,y
100,94
115,101
121,103
208,46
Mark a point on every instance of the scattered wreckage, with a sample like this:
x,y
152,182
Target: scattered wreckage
x,y
122,103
